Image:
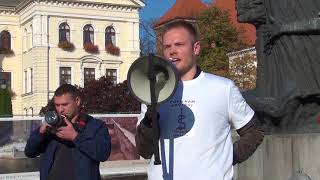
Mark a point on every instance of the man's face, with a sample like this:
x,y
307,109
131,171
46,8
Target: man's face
x,y
180,48
67,105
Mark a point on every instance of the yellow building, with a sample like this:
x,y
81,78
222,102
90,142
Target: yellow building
x,y
44,43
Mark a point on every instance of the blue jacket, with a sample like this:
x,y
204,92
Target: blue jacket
x,y
92,146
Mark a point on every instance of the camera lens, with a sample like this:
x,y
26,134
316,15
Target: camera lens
x,y
51,118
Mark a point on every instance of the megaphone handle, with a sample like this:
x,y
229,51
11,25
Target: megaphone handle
x,y
155,126
155,123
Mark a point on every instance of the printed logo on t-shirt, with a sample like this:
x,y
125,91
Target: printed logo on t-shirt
x,y
181,126
176,118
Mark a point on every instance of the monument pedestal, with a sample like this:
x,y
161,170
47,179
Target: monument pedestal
x,y
282,155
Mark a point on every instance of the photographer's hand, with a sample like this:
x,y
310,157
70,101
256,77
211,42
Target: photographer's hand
x,y
67,132
43,128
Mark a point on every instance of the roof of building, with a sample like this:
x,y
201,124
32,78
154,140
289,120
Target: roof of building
x,y
182,9
14,3
249,35
188,9
11,3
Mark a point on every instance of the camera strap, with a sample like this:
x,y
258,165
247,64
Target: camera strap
x,y
81,122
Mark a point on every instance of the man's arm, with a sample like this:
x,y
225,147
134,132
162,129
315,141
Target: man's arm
x,y
96,145
144,136
251,136
37,142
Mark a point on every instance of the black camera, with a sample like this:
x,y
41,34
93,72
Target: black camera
x,y
54,120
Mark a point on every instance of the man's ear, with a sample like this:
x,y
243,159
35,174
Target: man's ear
x,y
196,48
78,101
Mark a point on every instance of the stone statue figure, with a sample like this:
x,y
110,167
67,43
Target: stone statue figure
x,y
287,94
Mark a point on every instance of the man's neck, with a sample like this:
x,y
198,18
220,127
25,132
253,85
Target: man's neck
x,y
192,74
189,75
74,119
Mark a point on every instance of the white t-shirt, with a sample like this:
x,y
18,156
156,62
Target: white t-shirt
x,y
195,130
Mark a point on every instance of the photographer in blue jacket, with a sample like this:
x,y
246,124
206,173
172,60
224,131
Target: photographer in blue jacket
x,y
73,148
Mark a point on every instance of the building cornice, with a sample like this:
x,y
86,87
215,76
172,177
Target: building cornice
x,y
38,8
137,4
23,4
81,4
5,10
140,3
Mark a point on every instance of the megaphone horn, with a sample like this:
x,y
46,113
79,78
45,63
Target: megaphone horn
x,y
143,70
152,80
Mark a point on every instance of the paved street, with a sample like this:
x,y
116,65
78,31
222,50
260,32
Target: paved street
x,y
22,168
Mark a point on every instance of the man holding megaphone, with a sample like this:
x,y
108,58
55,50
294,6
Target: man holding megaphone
x,y
71,144
195,123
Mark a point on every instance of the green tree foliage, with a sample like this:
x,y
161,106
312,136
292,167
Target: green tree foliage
x,y
218,37
243,71
5,103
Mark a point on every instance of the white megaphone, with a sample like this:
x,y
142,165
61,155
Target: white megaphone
x,y
165,74
153,80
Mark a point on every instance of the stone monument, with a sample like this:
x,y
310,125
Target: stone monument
x,y
287,94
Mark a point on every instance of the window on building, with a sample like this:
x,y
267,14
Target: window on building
x,y
110,36
65,75
28,81
25,74
31,36
25,40
112,73
31,80
88,34
5,40
31,111
5,80
64,32
89,74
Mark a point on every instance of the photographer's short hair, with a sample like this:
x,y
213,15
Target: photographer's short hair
x,y
182,24
67,88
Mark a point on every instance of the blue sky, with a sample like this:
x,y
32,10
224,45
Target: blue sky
x,y
157,8
154,9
